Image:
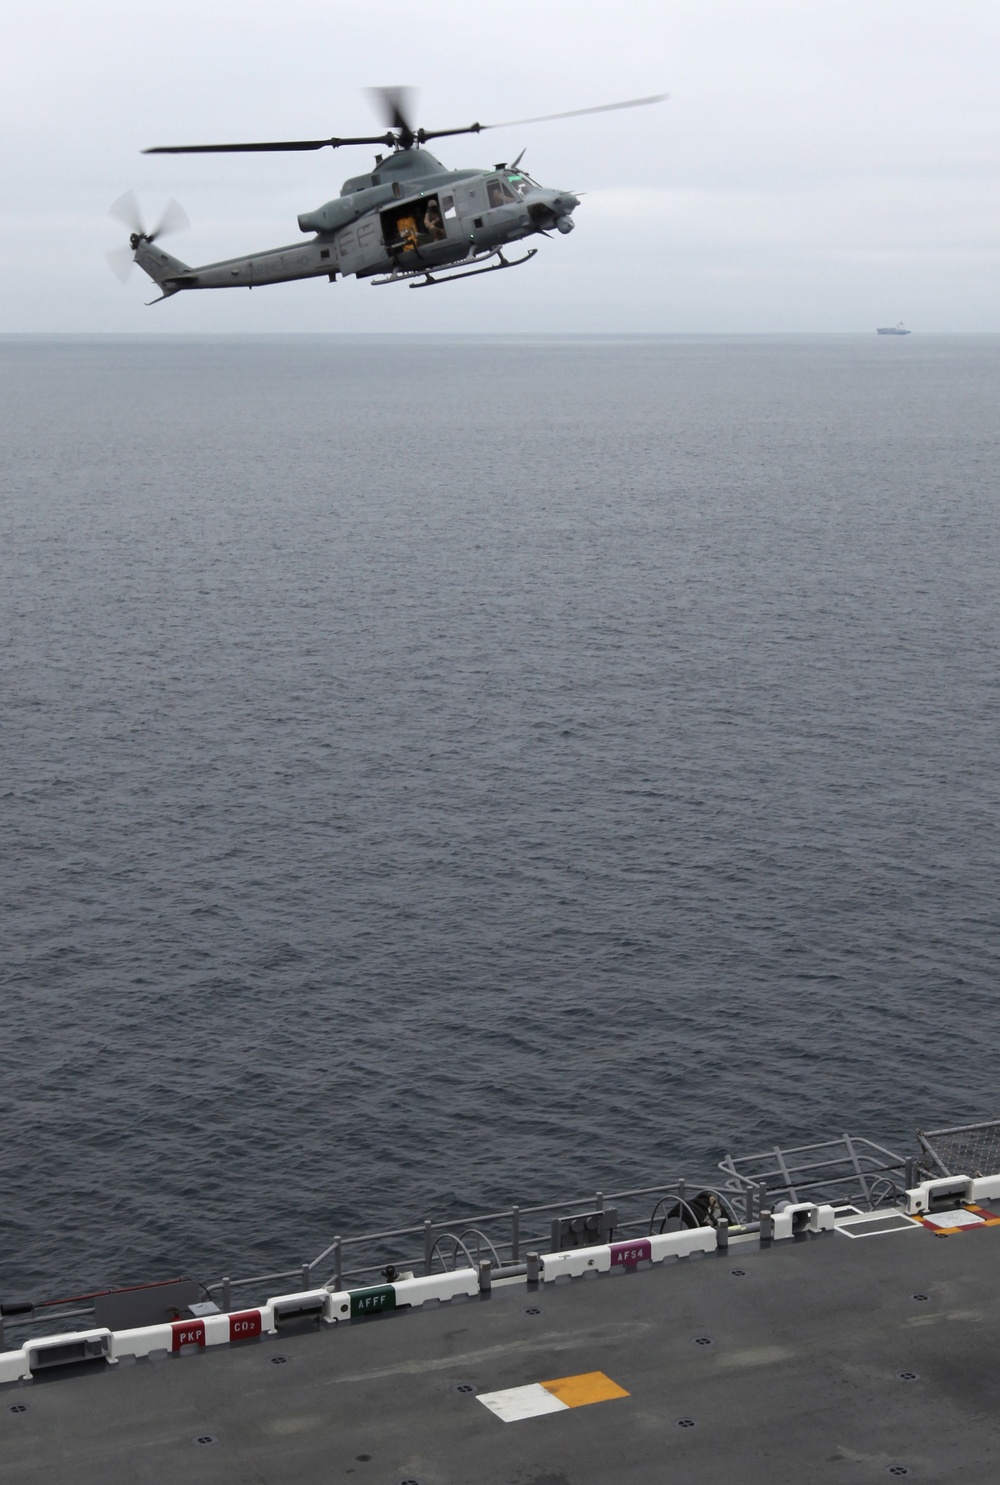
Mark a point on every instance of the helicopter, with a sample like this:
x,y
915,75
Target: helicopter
x,y
409,220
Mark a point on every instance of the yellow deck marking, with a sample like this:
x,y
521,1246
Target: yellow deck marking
x,y
512,1404
937,1222
588,1387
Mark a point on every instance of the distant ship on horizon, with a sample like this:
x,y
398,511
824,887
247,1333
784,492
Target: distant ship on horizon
x,y
899,329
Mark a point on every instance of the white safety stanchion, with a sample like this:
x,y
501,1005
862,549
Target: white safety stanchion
x,y
338,1305
575,1263
437,1286
309,1304
944,1192
188,1335
681,1244
246,1325
628,1255
182,1335
984,1188
69,1349
143,1340
803,1216
14,1366
216,1330
602,1259
940,1194
174,1337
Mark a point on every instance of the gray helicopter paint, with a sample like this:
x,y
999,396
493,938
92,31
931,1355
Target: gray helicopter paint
x,y
160,266
345,209
404,166
360,250
280,265
351,230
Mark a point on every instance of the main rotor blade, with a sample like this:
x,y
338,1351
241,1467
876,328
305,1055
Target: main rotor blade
x,y
267,146
396,107
424,134
395,104
126,211
575,113
543,118
120,261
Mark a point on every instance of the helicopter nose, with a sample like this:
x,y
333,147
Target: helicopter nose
x,y
562,206
553,209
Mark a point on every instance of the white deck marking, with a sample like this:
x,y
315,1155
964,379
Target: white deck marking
x,y
959,1218
514,1403
875,1224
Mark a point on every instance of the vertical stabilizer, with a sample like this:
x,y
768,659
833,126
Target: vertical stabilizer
x,y
164,270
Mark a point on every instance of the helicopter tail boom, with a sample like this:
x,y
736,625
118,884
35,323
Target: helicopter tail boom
x,y
164,270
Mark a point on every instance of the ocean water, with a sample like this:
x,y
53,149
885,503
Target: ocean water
x,y
438,773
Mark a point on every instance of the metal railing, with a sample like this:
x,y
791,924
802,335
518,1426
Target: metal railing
x,y
963,1150
505,1237
435,1245
848,1170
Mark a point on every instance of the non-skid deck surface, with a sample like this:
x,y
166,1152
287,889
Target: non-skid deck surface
x,y
817,1363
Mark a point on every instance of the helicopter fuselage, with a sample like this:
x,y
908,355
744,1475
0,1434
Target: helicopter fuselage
x,y
410,216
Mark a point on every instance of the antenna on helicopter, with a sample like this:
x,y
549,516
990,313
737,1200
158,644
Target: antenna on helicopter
x,y
395,104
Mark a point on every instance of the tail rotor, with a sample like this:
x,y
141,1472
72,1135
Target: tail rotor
x,y
126,210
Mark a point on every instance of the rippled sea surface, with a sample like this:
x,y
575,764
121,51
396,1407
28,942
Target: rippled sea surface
x,y
437,773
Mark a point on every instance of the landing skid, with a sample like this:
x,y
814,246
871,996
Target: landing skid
x,y
422,278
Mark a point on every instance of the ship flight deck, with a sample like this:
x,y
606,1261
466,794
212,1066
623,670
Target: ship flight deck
x,y
859,1347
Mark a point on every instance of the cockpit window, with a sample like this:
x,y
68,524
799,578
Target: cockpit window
x,y
494,192
522,183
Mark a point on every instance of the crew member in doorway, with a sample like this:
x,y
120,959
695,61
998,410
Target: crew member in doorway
x,y
433,225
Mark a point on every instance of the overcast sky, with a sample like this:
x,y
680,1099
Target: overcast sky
x,y
822,165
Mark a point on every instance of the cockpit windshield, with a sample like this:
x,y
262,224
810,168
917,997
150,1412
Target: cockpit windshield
x,y
520,182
